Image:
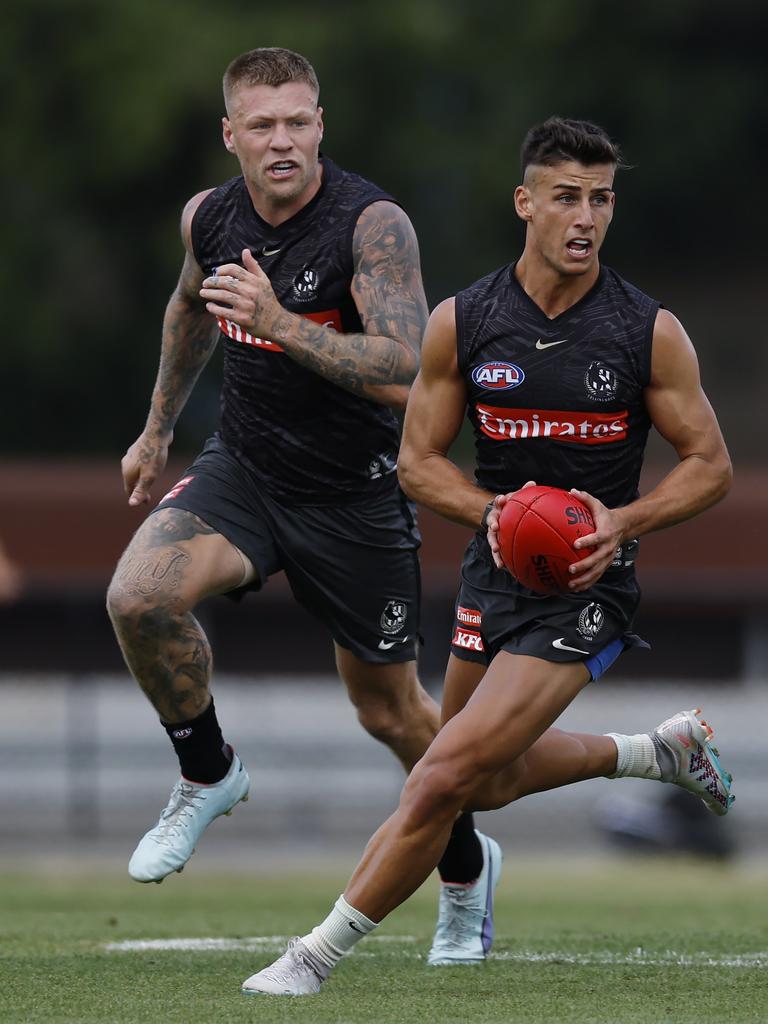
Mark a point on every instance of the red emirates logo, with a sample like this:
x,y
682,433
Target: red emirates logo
x,y
573,427
327,318
469,616
467,639
238,333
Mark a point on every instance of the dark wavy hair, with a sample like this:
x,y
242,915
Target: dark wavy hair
x,y
559,139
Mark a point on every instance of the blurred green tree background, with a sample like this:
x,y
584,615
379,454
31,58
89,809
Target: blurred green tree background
x,y
111,120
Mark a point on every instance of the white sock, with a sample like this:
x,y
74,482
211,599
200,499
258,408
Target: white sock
x,y
636,756
339,932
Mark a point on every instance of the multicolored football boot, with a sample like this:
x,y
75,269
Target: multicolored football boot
x,y
687,758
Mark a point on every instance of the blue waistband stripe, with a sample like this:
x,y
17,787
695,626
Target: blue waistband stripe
x,y
603,660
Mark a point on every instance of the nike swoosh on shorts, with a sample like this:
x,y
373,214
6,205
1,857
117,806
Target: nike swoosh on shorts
x,y
384,645
561,646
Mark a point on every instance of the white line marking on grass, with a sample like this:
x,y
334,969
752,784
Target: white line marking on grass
x,y
254,944
637,957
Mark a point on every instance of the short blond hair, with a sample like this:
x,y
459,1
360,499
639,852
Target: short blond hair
x,y
269,65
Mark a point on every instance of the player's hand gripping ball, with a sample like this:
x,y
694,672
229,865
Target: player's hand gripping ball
x,y
537,528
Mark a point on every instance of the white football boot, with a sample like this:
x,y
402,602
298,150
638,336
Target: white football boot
x,y
686,757
191,808
295,973
464,933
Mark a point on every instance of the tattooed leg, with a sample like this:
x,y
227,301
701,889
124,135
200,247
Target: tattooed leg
x,y
173,561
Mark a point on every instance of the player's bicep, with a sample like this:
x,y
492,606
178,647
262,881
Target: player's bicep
x,y
190,282
438,396
387,286
675,399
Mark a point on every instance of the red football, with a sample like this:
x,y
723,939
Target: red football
x,y
537,528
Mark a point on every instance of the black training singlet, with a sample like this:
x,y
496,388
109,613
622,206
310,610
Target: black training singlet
x,y
557,401
310,441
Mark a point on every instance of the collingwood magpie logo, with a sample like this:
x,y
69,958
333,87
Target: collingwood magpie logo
x,y
393,617
381,464
591,621
305,285
601,382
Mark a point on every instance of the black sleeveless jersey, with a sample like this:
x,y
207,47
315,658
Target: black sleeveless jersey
x,y
557,401
310,441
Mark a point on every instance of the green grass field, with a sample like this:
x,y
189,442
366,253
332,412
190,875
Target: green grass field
x,y
626,941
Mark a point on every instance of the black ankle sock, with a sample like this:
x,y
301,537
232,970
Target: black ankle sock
x,y
462,861
203,755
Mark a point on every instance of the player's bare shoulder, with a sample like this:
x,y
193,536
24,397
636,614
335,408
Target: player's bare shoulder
x,y
386,284
673,350
439,349
191,276
384,245
443,316
384,235
188,215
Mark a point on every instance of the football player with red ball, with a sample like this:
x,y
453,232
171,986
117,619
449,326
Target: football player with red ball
x,y
561,367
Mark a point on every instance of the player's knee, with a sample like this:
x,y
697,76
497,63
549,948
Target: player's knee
x,y
438,789
514,783
120,604
130,610
501,788
396,718
384,721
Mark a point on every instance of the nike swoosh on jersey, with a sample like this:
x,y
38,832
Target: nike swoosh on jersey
x,y
560,646
549,344
270,252
384,645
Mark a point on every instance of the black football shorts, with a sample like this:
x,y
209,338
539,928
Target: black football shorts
x,y
496,613
355,567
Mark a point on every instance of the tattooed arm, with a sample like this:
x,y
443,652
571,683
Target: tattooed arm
x,y
378,364
389,294
189,338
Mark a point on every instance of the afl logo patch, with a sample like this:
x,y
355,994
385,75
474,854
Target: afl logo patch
x,y
498,376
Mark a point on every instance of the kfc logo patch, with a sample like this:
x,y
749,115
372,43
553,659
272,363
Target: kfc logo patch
x,y
467,639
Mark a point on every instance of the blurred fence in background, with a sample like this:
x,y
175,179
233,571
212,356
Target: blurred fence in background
x,y
704,610
85,768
